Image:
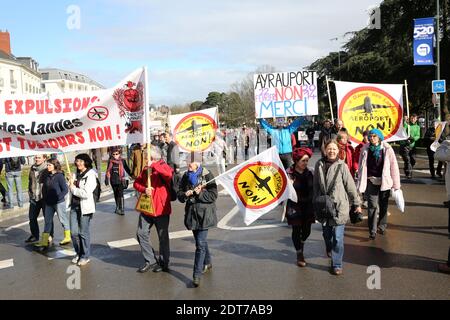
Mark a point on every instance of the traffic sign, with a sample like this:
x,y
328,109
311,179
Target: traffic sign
x,y
438,86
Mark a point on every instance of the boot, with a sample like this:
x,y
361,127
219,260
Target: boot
x,y
300,258
121,205
66,239
43,244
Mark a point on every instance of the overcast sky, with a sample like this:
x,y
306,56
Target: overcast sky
x,y
190,47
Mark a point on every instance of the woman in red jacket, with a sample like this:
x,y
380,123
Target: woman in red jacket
x,y
346,152
161,176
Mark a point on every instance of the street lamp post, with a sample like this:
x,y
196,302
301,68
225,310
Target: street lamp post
x,y
438,58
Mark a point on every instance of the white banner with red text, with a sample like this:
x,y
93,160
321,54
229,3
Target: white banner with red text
x,y
73,121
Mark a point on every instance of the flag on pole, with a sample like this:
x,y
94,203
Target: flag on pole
x,y
194,131
258,185
365,106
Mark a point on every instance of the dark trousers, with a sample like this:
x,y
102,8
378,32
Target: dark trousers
x,y
286,159
202,256
246,153
33,213
143,235
118,195
438,170
409,158
300,234
3,192
377,203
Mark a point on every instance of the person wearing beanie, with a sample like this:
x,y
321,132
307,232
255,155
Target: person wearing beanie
x,y
378,174
300,215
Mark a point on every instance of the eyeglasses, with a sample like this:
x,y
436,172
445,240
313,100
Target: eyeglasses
x,y
116,154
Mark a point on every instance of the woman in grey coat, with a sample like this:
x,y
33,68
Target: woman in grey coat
x,y
343,194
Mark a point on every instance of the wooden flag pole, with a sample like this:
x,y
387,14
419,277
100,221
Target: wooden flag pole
x,y
67,165
329,98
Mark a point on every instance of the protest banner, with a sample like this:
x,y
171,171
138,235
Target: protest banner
x,y
365,106
258,185
285,94
43,123
194,131
439,128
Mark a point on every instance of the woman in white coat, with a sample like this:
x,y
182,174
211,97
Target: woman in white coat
x,y
82,207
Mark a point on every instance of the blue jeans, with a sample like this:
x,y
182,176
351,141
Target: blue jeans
x,y
202,256
334,241
60,209
11,178
79,229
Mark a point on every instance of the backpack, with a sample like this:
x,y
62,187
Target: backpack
x,y
14,164
97,191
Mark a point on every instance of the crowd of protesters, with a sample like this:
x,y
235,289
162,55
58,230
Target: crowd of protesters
x,y
343,181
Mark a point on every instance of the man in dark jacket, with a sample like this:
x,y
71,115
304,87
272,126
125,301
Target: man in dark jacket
x,y
325,135
35,180
200,213
13,169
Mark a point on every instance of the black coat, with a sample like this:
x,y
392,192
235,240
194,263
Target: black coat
x,y
200,210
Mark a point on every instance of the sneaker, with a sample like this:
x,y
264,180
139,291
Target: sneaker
x,y
75,260
372,236
31,239
146,267
196,282
337,271
159,268
207,267
443,267
83,262
381,231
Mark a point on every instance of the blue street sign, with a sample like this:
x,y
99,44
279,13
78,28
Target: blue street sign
x,y
423,41
438,86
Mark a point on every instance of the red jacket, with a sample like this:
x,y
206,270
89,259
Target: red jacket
x,y
161,176
351,160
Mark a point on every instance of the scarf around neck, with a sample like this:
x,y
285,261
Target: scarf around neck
x,y
376,151
119,162
194,175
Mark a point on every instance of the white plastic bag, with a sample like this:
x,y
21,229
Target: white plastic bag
x,y
399,200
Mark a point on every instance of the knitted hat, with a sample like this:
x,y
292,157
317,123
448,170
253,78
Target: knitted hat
x,y
378,133
299,153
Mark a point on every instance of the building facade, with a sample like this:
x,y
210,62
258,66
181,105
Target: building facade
x,y
56,81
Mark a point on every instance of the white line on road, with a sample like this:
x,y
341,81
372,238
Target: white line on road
x,y
223,224
6,263
123,243
61,254
133,242
22,224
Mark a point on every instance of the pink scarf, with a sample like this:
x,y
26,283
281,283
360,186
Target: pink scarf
x,y
121,170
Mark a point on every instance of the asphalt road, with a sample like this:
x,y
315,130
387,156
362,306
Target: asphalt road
x,y
248,263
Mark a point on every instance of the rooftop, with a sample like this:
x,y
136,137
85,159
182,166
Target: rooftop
x,y
59,74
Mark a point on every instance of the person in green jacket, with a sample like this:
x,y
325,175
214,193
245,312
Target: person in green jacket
x,y
408,147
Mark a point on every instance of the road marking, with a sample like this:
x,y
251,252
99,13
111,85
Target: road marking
x,y
223,224
180,234
133,242
6,263
21,224
61,254
123,243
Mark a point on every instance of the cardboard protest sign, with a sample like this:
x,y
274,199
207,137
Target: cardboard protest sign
x,y
285,94
194,131
364,106
42,123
